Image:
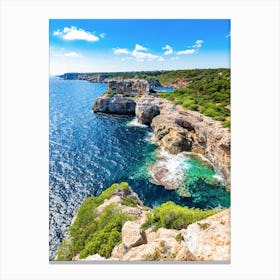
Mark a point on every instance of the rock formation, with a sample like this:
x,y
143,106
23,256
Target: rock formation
x,y
162,245
128,87
115,105
133,235
146,110
175,129
118,97
209,239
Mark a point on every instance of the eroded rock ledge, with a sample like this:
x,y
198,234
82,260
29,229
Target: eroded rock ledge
x,y
175,129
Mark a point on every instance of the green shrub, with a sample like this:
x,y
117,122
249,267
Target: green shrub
x,y
85,223
189,104
179,237
172,216
108,233
131,201
208,91
226,123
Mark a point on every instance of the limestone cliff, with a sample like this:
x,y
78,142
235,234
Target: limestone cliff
x,y
175,129
114,105
118,98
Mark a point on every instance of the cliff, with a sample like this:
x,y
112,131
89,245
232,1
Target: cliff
x,y
119,96
116,226
175,129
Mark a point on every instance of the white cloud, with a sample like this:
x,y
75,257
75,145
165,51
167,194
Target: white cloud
x,y
191,51
141,56
161,59
174,58
72,54
73,33
102,35
121,51
139,48
169,50
198,44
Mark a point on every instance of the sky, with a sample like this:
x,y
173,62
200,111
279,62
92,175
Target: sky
x,y
138,45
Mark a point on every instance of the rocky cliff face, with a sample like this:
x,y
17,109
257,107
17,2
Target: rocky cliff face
x,y
134,87
114,105
118,98
175,129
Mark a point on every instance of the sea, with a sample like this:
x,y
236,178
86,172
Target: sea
x,y
89,152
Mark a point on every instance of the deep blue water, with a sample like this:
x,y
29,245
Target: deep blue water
x,y
89,152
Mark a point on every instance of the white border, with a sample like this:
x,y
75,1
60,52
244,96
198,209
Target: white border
x,y
24,137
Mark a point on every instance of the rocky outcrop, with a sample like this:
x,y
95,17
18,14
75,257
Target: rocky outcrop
x,y
162,245
209,239
115,105
178,83
133,235
154,83
177,130
118,98
146,110
134,87
169,170
171,137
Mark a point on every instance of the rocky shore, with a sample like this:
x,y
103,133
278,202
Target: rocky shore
x,y
205,240
175,129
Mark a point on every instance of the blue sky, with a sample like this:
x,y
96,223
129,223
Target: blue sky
x,y
135,45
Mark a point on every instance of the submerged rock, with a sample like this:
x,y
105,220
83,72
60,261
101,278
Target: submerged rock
x,y
169,170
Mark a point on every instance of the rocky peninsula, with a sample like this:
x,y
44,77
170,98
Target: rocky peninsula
x,y
175,128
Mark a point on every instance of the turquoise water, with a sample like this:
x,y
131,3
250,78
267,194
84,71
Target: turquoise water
x,y
163,89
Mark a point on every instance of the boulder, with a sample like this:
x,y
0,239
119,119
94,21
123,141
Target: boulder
x,y
209,239
133,235
163,245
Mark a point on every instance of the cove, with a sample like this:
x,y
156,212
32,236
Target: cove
x,y
89,152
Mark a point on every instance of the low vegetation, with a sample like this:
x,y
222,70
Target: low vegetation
x,y
87,233
98,233
207,91
171,216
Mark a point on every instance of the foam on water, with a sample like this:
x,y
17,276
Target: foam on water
x,y
135,122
